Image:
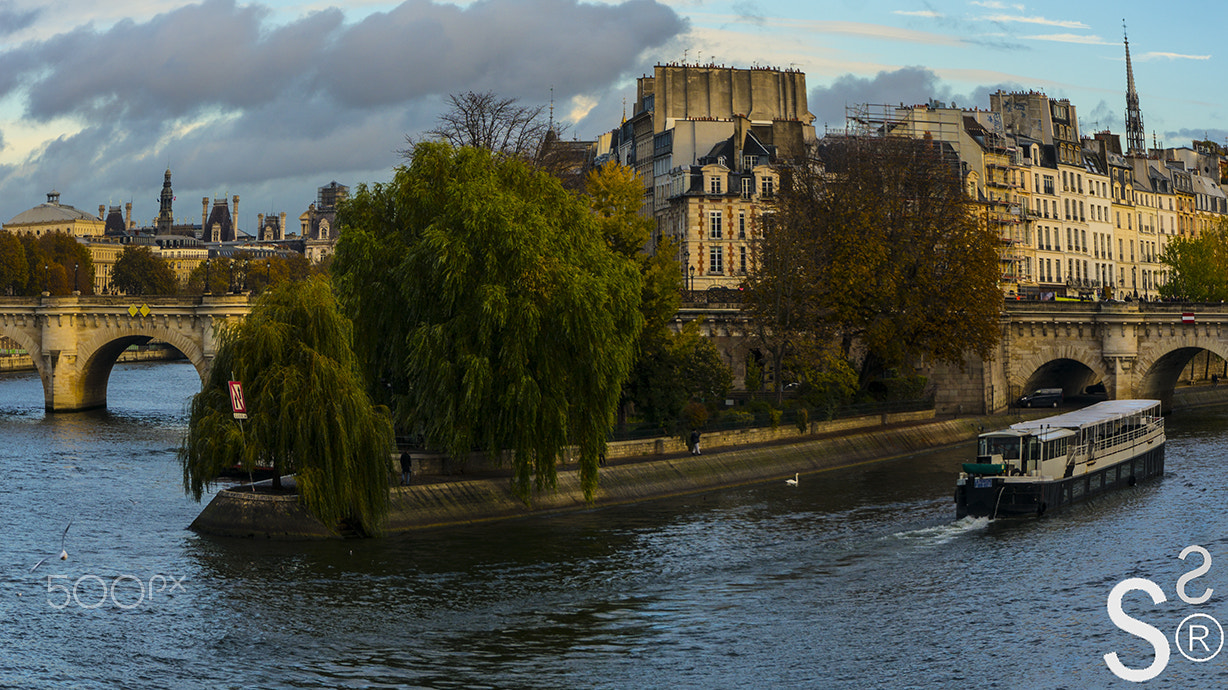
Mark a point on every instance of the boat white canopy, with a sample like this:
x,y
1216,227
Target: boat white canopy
x,y
1101,412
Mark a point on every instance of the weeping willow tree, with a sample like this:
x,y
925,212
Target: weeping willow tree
x,y
308,410
504,321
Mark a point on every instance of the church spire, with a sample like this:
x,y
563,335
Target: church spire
x,y
1136,138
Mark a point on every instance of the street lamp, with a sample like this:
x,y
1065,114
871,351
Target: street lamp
x,y
76,289
46,279
691,278
207,290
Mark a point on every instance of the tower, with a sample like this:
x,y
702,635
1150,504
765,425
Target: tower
x,y
166,216
1135,136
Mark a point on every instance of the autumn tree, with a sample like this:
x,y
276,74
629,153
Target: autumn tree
x,y
670,368
13,267
53,261
139,271
1197,266
886,253
308,409
497,317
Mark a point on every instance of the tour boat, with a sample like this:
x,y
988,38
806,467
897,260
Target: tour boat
x,y
1040,465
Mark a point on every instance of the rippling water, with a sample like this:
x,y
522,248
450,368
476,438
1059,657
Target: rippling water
x,y
857,578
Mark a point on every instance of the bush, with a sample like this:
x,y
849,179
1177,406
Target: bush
x,y
694,415
803,420
774,415
738,418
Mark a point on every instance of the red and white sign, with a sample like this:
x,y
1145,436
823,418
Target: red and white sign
x,y
237,404
1187,317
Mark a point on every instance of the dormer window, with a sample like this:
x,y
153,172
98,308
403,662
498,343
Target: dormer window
x,y
714,184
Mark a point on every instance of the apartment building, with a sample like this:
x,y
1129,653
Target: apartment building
x,y
705,140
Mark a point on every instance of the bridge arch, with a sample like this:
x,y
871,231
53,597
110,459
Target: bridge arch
x,y
1161,362
1065,366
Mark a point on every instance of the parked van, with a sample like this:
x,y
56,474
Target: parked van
x,y
1042,397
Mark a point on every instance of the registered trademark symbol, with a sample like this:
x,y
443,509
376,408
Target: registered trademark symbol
x,y
1196,635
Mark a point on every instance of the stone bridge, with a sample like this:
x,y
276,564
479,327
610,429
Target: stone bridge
x,y
1134,349
74,341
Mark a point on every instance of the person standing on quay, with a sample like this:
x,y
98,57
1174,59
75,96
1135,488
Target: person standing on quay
x,y
694,441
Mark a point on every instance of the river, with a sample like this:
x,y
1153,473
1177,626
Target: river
x,y
856,578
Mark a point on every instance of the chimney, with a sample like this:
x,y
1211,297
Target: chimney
x,y
128,217
235,218
204,217
281,229
260,226
102,211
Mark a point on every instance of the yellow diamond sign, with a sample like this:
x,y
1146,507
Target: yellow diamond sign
x,y
132,310
144,310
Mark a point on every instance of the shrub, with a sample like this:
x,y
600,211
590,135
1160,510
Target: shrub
x,y
803,420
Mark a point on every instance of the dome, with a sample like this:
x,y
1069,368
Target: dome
x,y
51,212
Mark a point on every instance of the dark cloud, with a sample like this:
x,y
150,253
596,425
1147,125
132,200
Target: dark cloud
x,y
907,86
514,47
13,20
301,103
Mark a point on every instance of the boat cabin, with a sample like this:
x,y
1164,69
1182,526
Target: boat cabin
x,y
1024,452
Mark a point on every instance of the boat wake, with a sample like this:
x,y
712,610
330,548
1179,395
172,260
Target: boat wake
x,y
941,534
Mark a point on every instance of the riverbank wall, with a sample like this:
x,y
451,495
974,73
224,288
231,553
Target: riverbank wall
x,y
453,501
637,471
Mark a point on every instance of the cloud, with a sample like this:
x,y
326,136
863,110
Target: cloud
x,y
13,20
990,5
1145,57
928,14
909,85
1013,18
1071,38
236,102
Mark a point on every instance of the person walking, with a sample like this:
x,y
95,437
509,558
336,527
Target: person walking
x,y
407,467
694,441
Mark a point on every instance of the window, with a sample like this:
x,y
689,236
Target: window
x,y
742,252
1069,243
1048,184
714,185
741,225
714,225
716,258
748,186
767,186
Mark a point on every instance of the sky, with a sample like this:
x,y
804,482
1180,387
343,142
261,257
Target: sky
x,y
270,100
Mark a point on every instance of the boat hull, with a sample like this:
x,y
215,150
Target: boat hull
x,y
995,497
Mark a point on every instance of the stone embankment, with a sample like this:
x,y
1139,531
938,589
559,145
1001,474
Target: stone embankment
x,y
664,470
636,471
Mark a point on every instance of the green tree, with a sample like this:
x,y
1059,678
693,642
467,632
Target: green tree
x,y
308,409
671,368
500,320
1197,267
139,271
13,268
892,260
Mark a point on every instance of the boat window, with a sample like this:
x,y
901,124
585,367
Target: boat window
x,y
1007,447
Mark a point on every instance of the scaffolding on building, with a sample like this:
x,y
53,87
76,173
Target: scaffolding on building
x,y
997,166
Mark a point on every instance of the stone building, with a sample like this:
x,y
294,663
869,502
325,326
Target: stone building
x,y
53,216
704,139
318,222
